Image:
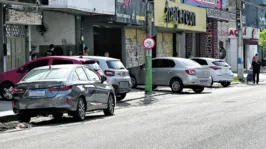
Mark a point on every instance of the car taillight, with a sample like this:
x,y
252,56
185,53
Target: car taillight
x,y
60,88
215,67
109,73
18,91
191,72
230,68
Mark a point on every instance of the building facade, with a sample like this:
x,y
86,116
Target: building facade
x,y
174,22
256,17
215,41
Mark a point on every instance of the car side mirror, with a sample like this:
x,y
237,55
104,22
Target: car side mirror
x,y
103,78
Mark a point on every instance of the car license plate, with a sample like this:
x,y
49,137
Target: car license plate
x,y
203,82
123,84
37,93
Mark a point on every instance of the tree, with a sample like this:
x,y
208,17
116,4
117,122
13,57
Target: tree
x,y
262,40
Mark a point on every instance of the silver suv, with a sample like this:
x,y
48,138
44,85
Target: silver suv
x,y
116,74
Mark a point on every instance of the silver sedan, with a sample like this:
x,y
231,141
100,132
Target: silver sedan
x,y
72,89
178,73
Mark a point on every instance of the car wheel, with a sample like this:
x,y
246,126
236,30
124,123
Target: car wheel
x,y
176,85
225,84
58,116
211,82
198,90
80,113
134,83
121,96
24,117
6,91
111,106
154,87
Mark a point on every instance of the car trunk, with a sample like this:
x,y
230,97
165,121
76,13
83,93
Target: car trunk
x,y
202,72
39,89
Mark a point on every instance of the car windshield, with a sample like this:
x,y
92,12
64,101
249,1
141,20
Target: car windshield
x,y
220,63
188,63
46,74
115,64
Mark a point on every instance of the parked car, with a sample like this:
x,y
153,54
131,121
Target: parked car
x,y
220,71
116,74
9,79
59,89
177,73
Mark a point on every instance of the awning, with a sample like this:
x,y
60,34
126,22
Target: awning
x,y
251,41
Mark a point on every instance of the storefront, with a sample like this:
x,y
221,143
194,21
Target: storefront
x,y
131,14
18,23
175,22
250,46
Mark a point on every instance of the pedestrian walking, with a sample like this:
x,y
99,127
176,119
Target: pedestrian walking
x,y
50,52
85,51
256,64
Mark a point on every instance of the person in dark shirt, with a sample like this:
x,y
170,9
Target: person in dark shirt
x,y
50,52
256,64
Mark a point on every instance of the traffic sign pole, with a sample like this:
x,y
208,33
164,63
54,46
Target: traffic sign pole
x,y
148,44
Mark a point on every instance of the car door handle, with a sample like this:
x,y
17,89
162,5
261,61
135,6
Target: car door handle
x,y
170,71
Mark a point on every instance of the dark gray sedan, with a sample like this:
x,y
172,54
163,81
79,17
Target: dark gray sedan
x,y
72,89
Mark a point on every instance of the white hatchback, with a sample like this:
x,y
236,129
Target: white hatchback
x,y
220,71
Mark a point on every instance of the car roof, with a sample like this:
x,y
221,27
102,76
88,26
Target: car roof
x,y
207,58
63,57
69,66
171,58
98,57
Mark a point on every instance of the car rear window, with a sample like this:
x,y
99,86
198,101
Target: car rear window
x,y
188,63
115,64
46,74
93,66
220,63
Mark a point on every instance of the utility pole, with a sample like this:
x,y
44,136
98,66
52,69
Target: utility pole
x,y
239,25
148,52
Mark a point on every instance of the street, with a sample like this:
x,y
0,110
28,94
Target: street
x,y
220,118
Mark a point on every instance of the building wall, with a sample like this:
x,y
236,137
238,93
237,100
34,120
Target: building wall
x,y
95,6
164,44
61,32
134,51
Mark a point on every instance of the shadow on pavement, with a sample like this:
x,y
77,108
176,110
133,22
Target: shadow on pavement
x,y
65,120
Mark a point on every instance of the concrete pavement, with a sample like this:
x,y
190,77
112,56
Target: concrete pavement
x,y
223,118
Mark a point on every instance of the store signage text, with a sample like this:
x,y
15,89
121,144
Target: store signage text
x,y
174,14
248,33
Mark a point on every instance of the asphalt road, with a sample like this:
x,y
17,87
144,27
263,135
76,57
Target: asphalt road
x,y
224,118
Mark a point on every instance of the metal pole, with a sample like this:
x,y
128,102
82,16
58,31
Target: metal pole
x,y
240,68
148,53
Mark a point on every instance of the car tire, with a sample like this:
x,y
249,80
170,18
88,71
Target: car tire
x,y
134,83
225,84
111,106
24,117
3,87
121,97
211,82
80,112
154,87
176,85
198,90
58,116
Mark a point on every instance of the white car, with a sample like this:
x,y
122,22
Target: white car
x,y
116,74
220,71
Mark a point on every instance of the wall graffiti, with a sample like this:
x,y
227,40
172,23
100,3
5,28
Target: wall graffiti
x,y
133,47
